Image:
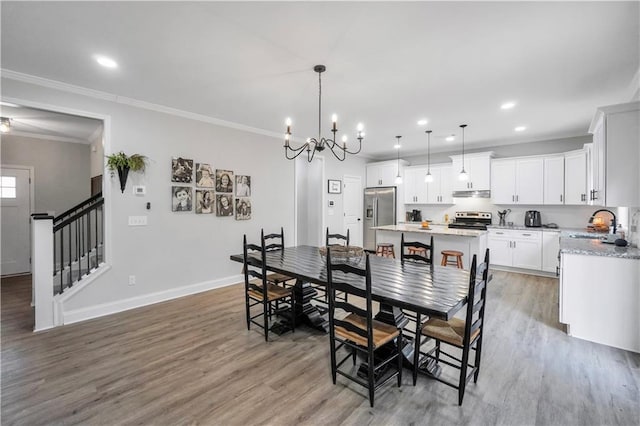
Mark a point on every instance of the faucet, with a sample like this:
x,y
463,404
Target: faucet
x,y
613,221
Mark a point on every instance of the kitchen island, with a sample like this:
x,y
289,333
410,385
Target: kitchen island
x,y
468,241
599,294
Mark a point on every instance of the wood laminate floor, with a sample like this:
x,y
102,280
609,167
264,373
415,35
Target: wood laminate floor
x,y
192,361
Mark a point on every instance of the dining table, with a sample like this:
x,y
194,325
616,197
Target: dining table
x,y
429,290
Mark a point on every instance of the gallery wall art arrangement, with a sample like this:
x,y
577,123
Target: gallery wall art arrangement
x,y
213,192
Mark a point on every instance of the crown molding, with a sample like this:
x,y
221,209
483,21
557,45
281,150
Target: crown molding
x,y
123,100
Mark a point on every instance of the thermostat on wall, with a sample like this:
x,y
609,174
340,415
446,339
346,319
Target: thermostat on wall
x,y
139,190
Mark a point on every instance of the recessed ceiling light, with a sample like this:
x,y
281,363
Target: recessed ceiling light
x,y
520,129
106,62
507,105
422,122
397,146
450,138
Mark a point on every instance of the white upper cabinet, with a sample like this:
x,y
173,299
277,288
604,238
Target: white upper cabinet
x,y
384,173
477,166
517,180
554,180
415,188
575,177
615,175
439,191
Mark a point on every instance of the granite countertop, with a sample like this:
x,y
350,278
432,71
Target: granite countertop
x,y
433,229
595,247
525,228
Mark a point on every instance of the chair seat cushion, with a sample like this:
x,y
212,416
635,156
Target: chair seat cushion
x,y
274,292
278,278
382,333
451,331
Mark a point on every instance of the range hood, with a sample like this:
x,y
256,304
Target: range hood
x,y
472,194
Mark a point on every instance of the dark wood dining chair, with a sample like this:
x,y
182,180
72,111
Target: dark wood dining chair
x,y
258,291
462,334
358,331
410,250
271,242
329,237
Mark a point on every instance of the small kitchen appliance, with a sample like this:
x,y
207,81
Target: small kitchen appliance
x,y
503,215
414,216
532,219
471,220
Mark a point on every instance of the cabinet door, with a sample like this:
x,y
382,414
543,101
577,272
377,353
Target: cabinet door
x,y
415,189
456,167
503,181
373,176
388,173
527,251
575,178
597,179
446,188
500,248
529,181
479,173
554,180
550,249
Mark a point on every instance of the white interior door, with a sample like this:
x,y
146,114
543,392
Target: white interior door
x,y
352,199
15,205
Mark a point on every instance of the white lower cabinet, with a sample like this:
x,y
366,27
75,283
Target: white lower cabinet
x,y
550,252
516,248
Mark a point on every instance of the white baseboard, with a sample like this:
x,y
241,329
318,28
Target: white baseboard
x,y
83,314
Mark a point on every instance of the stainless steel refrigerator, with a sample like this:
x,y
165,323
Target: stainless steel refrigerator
x,y
379,210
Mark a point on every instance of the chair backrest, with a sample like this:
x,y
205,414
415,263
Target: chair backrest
x,y
254,268
337,237
272,241
414,256
354,275
478,277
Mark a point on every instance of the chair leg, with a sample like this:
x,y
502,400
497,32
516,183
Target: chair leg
x,y
477,360
437,350
353,355
293,312
371,381
416,349
463,375
265,311
399,344
248,310
332,347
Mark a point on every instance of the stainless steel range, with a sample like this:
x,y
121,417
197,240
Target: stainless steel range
x,y
471,220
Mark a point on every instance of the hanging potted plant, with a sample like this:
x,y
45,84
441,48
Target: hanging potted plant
x,y
122,163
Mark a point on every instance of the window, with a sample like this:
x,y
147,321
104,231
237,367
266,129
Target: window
x,y
8,187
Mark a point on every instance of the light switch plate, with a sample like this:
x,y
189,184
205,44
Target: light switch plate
x,y
137,220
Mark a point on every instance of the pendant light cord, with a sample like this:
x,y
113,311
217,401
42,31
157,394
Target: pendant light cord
x,y
319,102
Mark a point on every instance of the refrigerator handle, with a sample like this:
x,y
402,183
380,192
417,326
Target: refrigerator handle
x,y
375,212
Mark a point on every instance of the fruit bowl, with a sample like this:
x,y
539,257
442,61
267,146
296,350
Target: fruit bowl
x,y
342,254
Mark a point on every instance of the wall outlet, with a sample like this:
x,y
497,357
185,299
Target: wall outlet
x,y
137,220
132,280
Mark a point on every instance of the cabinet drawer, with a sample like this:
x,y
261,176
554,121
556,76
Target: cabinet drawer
x,y
527,235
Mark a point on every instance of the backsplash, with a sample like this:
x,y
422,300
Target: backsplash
x,y
634,226
563,216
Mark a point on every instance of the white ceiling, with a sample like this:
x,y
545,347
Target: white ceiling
x,y
37,123
388,63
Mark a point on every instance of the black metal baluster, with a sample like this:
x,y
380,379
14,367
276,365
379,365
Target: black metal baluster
x,y
70,259
61,258
88,241
97,262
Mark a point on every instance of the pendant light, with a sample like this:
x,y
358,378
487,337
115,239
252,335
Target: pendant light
x,y
463,173
428,177
398,180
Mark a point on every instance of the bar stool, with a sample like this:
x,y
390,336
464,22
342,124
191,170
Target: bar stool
x,y
446,254
418,250
385,250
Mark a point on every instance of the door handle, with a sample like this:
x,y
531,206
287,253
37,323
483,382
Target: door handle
x,y
358,219
560,197
513,198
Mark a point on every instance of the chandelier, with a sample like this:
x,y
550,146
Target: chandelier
x,y
313,145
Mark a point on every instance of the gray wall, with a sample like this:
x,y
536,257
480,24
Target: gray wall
x,y
61,170
175,249
97,156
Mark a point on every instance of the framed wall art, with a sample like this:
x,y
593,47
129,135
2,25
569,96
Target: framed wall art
x,y
205,201
224,181
181,198
204,176
224,205
335,186
181,170
243,208
243,186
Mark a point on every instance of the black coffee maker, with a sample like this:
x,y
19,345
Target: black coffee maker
x,y
414,216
